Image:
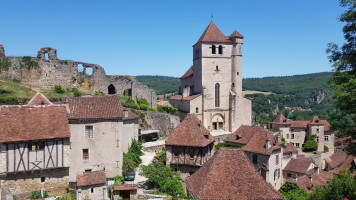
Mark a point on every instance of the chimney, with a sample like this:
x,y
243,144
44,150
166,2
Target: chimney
x,y
126,113
268,144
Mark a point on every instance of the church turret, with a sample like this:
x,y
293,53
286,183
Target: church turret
x,y
236,63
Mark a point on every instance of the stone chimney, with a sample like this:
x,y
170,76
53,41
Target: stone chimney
x,y
268,144
2,51
126,113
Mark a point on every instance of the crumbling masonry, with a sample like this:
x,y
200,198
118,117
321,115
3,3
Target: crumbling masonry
x,y
51,71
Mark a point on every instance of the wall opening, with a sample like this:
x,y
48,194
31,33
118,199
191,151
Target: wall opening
x,y
213,49
220,49
128,92
46,57
217,95
80,68
111,89
89,71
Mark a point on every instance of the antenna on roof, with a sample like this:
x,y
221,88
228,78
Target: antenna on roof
x,y
211,16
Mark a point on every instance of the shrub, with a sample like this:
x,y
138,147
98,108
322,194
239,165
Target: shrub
x,y
58,89
81,80
228,144
143,106
76,92
167,109
132,159
310,145
27,62
5,64
326,148
161,156
118,180
37,194
99,93
142,101
129,103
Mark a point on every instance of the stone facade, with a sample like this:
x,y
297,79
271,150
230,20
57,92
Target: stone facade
x,y
92,192
67,73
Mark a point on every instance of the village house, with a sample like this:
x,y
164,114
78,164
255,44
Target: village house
x,y
101,131
312,180
298,132
288,153
212,88
298,167
229,174
189,146
34,145
262,150
91,185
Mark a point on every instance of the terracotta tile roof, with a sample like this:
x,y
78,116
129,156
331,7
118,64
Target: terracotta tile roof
x,y
188,73
130,115
126,187
190,132
229,175
308,182
95,107
336,159
289,149
39,99
257,144
161,102
91,178
327,126
315,121
280,119
244,134
299,165
236,34
213,34
188,98
298,124
25,123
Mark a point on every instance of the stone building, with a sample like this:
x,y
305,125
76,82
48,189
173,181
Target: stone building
x,y
46,70
229,174
298,132
298,167
212,88
262,150
101,131
189,146
91,185
34,145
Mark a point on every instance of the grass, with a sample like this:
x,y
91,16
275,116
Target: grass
x,y
256,92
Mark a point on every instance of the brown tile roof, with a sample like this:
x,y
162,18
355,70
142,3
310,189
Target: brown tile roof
x,y
39,99
308,182
336,159
244,134
236,34
95,107
25,123
213,34
188,98
315,121
257,144
130,115
190,132
299,165
289,149
188,73
298,124
280,119
126,187
91,178
229,175
161,102
327,126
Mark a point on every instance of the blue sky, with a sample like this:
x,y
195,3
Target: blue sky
x,y
155,37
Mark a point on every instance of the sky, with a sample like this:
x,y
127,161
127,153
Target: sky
x,y
282,37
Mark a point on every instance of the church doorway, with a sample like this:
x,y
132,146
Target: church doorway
x,y
217,122
111,89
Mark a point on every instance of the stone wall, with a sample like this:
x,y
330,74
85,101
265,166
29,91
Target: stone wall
x,y
163,122
52,71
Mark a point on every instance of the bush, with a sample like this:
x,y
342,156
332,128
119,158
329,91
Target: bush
x,y
310,145
161,156
76,92
228,144
132,159
129,103
99,93
292,191
58,89
326,148
118,180
143,106
167,109
81,80
37,194
142,101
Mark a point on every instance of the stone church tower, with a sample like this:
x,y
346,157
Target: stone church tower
x,y
212,87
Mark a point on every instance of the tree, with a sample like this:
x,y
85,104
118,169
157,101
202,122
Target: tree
x,y
344,63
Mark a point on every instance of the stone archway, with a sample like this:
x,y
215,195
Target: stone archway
x,y
111,89
218,122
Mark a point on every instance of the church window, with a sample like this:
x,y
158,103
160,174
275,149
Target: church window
x,y
220,49
217,95
213,49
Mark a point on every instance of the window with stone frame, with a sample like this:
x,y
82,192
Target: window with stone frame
x,y
296,144
292,136
89,132
85,154
326,138
213,49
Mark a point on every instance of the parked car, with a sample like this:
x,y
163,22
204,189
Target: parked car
x,y
130,176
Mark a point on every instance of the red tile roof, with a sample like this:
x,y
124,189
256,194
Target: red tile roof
x,y
188,98
257,144
236,34
289,149
229,175
315,121
126,187
96,107
308,182
91,178
327,126
336,159
298,124
190,132
244,134
213,34
161,102
280,119
39,99
25,123
188,73
299,165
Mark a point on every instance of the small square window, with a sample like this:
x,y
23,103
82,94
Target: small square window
x,y
296,144
89,132
43,179
91,190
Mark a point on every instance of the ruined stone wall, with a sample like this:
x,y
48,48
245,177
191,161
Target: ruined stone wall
x,y
165,123
51,71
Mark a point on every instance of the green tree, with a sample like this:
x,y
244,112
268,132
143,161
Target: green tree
x,y
344,63
311,144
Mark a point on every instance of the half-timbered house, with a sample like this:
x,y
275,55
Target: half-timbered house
x,y
34,146
189,146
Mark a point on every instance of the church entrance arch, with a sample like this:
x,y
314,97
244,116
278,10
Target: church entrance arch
x,y
218,122
111,89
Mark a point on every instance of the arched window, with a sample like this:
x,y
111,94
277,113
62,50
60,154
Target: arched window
x,y
217,95
213,49
220,49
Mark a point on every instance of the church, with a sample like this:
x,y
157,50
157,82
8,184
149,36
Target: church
x,y
211,89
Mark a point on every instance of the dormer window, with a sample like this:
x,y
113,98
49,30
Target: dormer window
x,y
213,49
220,49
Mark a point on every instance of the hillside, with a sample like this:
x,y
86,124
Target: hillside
x,y
160,84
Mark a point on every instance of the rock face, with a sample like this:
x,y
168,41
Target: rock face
x,y
166,123
50,71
